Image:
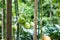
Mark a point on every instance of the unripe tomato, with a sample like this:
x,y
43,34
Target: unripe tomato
x,y
46,38
21,20
0,23
32,23
27,25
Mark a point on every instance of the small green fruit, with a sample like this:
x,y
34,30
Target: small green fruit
x,y
27,25
32,23
21,20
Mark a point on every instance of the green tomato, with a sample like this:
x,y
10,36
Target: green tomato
x,y
0,23
32,23
27,25
21,20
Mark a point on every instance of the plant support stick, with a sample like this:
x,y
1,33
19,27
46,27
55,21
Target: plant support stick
x,y
9,20
35,20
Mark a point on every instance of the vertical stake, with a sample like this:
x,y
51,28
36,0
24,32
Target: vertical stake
x,y
38,18
35,19
9,20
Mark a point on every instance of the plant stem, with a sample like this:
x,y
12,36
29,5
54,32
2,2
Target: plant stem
x,y
3,19
16,10
41,20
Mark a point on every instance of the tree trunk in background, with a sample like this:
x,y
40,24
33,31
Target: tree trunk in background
x,y
9,20
35,19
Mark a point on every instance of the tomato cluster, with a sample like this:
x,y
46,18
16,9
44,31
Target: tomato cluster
x,y
23,20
